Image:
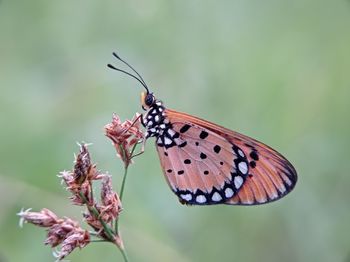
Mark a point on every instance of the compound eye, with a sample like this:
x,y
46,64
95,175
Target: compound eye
x,y
149,100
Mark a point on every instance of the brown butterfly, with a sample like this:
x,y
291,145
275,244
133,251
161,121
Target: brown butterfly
x,y
207,164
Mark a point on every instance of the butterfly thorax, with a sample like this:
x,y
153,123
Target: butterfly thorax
x,y
154,120
158,125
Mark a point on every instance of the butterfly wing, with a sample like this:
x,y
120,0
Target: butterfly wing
x,y
202,168
211,164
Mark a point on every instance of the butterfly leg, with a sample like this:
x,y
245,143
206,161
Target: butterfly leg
x,y
138,118
143,141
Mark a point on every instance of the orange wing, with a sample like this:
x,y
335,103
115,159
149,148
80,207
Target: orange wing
x,y
204,168
271,176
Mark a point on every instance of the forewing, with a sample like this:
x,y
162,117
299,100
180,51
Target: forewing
x,y
270,176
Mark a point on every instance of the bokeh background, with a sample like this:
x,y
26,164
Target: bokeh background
x,y
275,70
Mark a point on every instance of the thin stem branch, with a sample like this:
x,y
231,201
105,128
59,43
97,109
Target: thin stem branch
x,y
126,166
125,257
121,192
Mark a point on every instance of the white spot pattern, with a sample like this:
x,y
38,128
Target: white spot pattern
x,y
201,199
187,197
240,152
228,192
167,141
243,167
171,132
238,180
216,197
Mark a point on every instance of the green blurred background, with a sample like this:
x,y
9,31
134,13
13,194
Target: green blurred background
x,y
275,70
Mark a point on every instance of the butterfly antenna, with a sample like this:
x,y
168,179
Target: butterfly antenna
x,y
133,69
139,78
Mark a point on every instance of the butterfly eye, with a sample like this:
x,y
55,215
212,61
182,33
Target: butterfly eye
x,y
149,99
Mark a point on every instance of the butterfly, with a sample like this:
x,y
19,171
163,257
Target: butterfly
x,y
207,164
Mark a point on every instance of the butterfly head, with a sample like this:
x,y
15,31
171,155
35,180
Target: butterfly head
x,y
147,100
154,119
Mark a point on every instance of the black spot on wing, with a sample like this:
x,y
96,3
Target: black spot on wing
x,y
187,161
203,134
183,144
185,128
254,155
217,149
203,156
252,164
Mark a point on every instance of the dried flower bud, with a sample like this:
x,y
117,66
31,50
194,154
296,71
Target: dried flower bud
x,y
76,189
85,190
124,135
82,165
44,218
111,204
79,180
68,179
83,168
92,221
55,235
76,238
58,232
